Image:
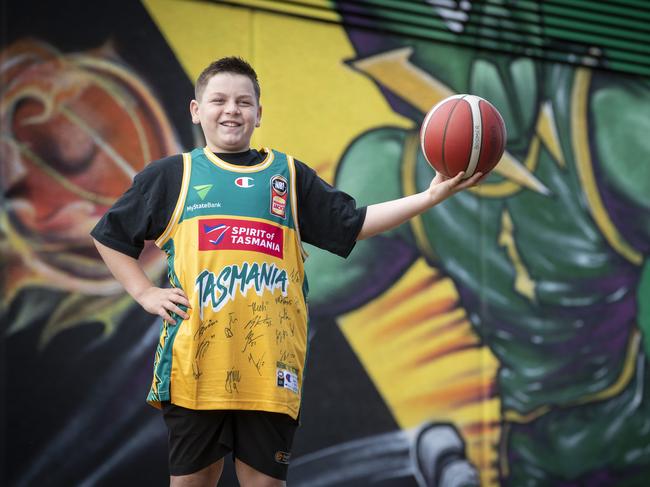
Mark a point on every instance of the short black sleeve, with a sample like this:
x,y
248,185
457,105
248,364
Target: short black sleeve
x,y
328,217
142,213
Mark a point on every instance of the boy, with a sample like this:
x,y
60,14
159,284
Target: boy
x,y
228,371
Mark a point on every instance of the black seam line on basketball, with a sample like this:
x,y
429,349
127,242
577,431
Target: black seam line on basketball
x,y
444,136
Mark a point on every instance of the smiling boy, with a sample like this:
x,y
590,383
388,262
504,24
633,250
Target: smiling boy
x,y
228,370
229,111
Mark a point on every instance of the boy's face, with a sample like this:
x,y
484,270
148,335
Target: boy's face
x,y
228,112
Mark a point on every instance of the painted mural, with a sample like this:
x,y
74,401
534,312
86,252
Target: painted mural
x,y
498,339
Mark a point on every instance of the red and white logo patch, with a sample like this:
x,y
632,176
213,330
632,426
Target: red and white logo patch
x,y
245,182
227,234
279,193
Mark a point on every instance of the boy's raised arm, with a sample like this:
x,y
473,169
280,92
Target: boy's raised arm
x,y
384,216
155,300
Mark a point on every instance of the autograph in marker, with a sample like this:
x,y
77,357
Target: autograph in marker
x,y
233,377
258,307
258,364
231,321
284,316
251,339
258,320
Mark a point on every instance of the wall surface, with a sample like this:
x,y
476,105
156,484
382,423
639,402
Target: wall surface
x,y
498,338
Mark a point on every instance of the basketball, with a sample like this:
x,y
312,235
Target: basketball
x,y
463,133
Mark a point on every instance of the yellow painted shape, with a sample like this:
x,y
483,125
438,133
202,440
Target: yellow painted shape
x,y
394,70
547,131
313,104
524,284
199,32
516,174
427,363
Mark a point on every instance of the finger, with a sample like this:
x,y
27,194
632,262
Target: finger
x,y
476,178
472,180
456,180
465,185
180,299
162,312
175,309
178,293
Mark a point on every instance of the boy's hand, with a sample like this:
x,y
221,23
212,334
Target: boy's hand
x,y
443,186
161,301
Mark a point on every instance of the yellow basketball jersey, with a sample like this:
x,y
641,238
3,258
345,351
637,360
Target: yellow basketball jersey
x,y
233,246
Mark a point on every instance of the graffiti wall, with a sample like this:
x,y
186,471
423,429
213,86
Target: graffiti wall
x,y
497,339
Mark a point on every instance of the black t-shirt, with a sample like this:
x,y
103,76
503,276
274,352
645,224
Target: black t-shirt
x,y
328,217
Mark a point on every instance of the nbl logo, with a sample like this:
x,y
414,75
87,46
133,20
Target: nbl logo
x,y
278,203
279,184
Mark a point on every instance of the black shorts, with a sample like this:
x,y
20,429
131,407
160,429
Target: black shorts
x,y
198,438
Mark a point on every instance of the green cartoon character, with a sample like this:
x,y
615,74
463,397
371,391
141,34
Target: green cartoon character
x,y
549,255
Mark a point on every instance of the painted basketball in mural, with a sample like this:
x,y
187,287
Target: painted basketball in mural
x,y
463,133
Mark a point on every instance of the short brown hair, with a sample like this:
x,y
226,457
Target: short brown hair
x,y
231,64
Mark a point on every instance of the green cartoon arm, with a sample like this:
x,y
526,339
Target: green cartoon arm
x,y
370,170
621,123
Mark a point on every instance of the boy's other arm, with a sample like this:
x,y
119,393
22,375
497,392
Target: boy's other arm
x,y
381,217
155,300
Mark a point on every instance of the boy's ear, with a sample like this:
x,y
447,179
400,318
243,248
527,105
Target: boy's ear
x,y
194,111
259,116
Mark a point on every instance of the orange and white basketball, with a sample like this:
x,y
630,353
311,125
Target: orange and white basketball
x,y
463,133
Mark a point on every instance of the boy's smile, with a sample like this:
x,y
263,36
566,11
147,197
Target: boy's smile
x,y
228,112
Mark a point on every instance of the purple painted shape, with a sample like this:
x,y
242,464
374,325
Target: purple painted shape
x,y
378,278
629,219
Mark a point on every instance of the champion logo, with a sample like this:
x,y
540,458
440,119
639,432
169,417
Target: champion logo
x,y
245,182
